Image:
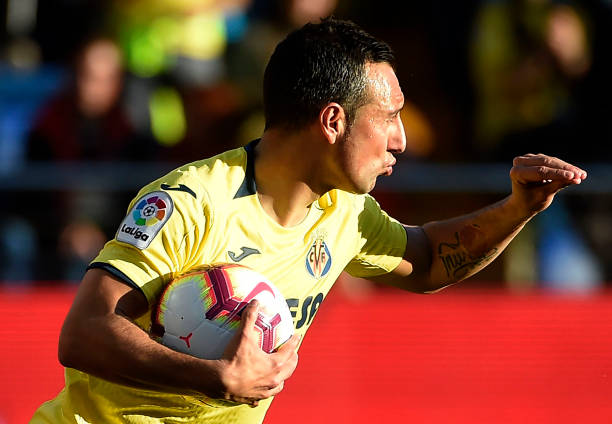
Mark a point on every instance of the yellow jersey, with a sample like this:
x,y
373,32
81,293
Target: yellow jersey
x,y
209,212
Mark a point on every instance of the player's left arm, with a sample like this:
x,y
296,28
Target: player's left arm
x,y
441,253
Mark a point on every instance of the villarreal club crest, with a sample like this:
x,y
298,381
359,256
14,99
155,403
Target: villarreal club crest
x,y
318,259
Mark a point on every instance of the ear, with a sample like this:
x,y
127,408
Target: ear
x,y
332,121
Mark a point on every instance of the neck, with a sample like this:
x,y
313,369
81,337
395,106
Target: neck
x,y
283,173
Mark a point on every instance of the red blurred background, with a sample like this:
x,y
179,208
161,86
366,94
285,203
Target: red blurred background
x,y
465,355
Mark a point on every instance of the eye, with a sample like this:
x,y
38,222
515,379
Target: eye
x,y
393,117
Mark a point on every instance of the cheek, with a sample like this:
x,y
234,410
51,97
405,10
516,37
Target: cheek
x,y
367,168
366,151
378,140
376,150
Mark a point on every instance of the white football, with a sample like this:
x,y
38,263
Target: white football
x,y
199,312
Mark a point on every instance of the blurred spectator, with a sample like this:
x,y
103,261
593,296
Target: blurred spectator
x,y
178,90
529,58
197,67
247,57
84,122
531,63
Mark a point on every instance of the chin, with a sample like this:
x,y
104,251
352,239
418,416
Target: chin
x,y
356,189
359,187
365,188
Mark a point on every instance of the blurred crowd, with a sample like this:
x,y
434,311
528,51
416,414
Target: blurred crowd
x,y
178,80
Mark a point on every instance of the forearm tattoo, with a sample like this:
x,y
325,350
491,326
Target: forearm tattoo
x,y
466,253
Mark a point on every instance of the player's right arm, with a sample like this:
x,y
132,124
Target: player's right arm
x,y
100,338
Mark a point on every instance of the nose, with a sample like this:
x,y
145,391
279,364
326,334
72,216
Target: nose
x,y
397,138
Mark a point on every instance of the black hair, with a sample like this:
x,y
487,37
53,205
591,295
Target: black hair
x,y
318,64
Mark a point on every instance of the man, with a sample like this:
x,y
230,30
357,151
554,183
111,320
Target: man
x,y
295,199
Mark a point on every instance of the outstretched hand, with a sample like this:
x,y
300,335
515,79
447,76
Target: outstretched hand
x,y
250,374
537,178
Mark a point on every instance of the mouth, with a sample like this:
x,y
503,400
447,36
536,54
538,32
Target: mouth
x,y
388,167
387,171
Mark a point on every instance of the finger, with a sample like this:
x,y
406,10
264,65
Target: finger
x,y
288,350
267,392
291,344
275,390
544,160
249,315
553,186
286,363
290,367
550,162
543,174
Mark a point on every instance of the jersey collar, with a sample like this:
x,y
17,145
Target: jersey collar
x,y
248,186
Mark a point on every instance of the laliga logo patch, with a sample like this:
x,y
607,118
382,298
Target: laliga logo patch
x,y
149,211
145,220
318,259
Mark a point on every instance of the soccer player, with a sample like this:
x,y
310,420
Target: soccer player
x,y
293,206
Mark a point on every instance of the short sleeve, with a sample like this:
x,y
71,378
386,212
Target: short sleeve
x,y
160,237
382,241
